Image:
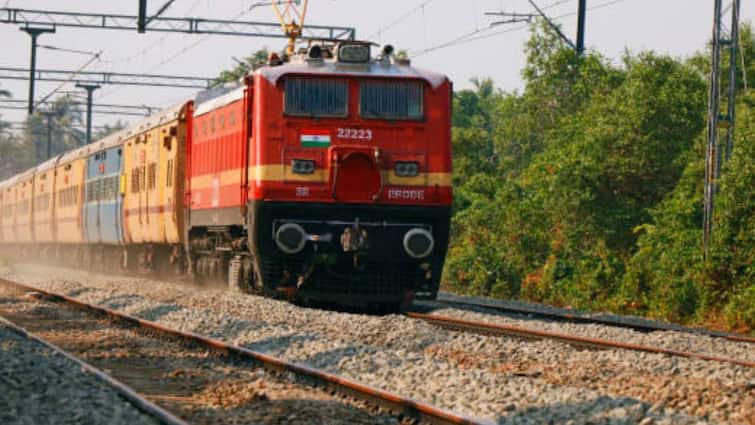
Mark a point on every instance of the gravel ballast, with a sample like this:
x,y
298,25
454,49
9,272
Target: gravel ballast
x,y
40,386
673,340
198,385
502,379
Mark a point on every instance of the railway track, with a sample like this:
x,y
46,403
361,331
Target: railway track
x,y
564,315
579,341
100,332
144,405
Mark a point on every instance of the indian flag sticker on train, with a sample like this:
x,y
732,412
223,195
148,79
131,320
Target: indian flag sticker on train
x,y
315,138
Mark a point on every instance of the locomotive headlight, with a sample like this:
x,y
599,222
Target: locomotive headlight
x,y
291,238
303,166
407,169
418,243
354,52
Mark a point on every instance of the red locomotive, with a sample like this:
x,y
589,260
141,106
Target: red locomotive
x,y
326,175
329,173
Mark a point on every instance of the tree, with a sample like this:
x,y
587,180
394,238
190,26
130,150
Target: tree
x,y
586,188
250,63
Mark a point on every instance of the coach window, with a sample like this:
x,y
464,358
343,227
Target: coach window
x,y
391,100
212,124
316,97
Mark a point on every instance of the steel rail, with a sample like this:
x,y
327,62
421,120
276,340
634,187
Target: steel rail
x,y
138,401
580,341
402,406
576,317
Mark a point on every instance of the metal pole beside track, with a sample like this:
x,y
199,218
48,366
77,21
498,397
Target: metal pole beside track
x,y
49,115
581,27
34,33
90,88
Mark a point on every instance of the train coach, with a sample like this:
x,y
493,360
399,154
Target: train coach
x,y
323,176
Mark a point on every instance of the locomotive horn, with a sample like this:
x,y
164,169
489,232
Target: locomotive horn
x,y
315,52
418,243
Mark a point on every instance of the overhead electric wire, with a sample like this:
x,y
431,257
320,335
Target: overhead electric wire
x,y
73,75
161,10
560,2
63,49
400,19
477,34
205,37
157,42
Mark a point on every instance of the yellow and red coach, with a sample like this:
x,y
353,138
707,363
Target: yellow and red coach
x,y
154,154
44,212
8,211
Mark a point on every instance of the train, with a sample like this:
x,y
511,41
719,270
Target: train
x,y
324,175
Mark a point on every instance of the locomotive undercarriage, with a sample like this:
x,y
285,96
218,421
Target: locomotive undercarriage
x,y
221,254
353,255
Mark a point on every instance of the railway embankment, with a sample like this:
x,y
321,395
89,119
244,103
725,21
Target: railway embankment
x,y
503,379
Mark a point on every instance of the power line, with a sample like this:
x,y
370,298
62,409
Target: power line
x,y
99,111
478,34
157,43
72,76
117,78
161,10
555,4
232,27
183,50
400,19
62,49
81,103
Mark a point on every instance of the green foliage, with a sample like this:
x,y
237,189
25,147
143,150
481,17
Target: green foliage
x,y
586,188
243,67
22,151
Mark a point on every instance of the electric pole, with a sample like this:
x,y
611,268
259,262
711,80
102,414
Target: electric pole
x,y
90,88
34,33
734,49
49,115
581,27
553,26
141,23
715,119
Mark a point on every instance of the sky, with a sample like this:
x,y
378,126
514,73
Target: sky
x,y
425,28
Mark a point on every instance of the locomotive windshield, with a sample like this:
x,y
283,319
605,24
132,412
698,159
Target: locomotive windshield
x,y
391,100
316,97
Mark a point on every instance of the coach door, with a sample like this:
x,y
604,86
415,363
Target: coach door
x,y
91,199
109,210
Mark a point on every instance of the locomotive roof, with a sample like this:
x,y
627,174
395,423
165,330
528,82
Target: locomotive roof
x,y
221,98
372,69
